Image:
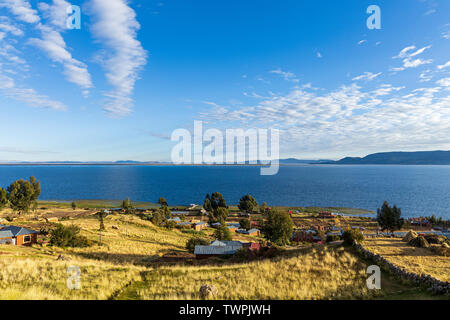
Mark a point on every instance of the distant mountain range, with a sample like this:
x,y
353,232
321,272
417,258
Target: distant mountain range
x,y
406,158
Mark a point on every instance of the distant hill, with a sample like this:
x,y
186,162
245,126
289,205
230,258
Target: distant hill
x,y
299,161
418,157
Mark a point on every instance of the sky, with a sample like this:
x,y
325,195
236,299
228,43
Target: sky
x,y
135,71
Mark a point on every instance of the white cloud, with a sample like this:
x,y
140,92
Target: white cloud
x,y
288,76
415,63
53,44
426,76
443,66
319,55
407,56
26,95
430,12
56,13
115,25
21,9
367,76
361,42
446,34
348,119
444,82
404,52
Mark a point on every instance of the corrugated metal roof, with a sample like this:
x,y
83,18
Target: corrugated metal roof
x,y
216,250
13,231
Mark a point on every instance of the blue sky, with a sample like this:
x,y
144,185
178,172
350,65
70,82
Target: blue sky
x,y
137,70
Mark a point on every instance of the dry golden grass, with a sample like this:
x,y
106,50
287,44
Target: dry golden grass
x,y
417,260
317,273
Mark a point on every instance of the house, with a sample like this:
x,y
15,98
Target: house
x,y
326,215
184,224
232,228
217,248
17,236
251,232
198,226
216,225
303,236
253,246
176,220
244,214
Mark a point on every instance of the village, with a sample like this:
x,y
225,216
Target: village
x,y
122,247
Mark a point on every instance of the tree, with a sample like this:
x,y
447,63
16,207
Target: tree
x,y
218,215
352,236
389,218
247,204
278,227
162,202
158,218
245,224
3,198
127,205
22,194
223,233
74,205
263,208
217,201
207,204
191,243
68,236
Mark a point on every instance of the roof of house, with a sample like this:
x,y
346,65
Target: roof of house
x,y
216,250
253,230
187,223
223,243
13,231
200,223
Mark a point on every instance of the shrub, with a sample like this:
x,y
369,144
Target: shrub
x,y
223,233
352,236
191,243
333,237
69,236
171,224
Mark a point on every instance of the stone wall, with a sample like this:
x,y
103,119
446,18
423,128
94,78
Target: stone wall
x,y
434,285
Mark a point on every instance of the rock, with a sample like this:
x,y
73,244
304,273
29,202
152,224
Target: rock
x,y
115,228
63,258
410,236
208,291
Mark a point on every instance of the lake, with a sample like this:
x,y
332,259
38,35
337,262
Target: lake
x,y
418,190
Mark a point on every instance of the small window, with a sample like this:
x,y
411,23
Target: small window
x,y
26,239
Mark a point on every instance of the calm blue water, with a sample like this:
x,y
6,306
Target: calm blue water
x,y
418,190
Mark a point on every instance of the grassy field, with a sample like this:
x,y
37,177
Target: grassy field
x,y
417,260
127,262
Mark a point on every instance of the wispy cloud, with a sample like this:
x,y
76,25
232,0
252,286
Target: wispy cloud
x,y
288,76
29,96
367,76
21,9
361,42
408,61
116,27
443,66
